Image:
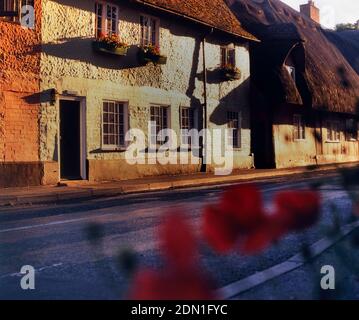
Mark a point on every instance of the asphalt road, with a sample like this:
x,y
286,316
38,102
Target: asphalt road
x,y
53,239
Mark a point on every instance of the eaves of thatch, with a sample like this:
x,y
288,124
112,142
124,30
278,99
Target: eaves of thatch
x,y
327,77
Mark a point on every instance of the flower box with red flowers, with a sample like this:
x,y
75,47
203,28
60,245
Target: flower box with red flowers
x,y
231,72
152,54
110,44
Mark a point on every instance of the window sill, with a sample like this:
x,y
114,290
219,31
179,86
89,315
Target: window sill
x,y
300,140
352,140
113,149
332,141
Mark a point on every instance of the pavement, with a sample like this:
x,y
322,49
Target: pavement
x,y
70,190
54,239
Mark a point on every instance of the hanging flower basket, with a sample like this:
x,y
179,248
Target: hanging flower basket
x,y
111,45
152,54
231,73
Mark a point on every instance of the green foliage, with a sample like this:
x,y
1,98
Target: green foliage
x,y
346,26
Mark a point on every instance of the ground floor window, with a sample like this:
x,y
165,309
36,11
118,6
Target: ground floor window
x,y
333,131
186,124
12,9
298,127
234,123
114,124
351,129
159,116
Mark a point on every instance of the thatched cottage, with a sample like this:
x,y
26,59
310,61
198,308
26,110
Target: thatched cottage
x,y
305,86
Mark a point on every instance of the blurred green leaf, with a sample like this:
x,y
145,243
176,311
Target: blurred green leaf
x,y
95,233
127,261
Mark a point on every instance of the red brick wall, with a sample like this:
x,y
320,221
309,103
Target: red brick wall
x,y
19,87
21,129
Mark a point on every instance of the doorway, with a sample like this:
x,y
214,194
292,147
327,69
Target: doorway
x,y
70,140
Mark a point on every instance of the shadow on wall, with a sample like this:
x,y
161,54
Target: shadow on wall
x,y
236,98
80,49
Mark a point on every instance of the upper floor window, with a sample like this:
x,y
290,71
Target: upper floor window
x,y
333,131
290,66
291,71
234,123
106,19
149,31
298,127
11,10
114,124
351,129
228,57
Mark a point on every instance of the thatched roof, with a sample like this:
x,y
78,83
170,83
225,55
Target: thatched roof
x,y
348,43
326,80
214,13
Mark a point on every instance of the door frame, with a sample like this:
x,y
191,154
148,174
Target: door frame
x,y
83,146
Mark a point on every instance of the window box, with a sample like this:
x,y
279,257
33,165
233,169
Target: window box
x,y
149,54
231,74
102,47
228,64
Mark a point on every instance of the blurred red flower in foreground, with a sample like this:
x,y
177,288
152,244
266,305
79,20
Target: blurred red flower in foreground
x,y
240,218
181,277
297,210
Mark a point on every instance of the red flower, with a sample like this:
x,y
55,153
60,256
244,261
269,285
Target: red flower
x,y
219,229
170,285
356,209
244,204
297,210
181,278
178,242
238,218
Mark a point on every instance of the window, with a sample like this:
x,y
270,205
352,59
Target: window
x,y
149,31
234,123
228,57
351,129
159,121
299,127
291,71
11,9
114,122
106,19
333,131
187,124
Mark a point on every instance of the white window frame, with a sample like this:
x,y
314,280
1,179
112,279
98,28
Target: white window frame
x,y
167,109
292,72
235,115
119,146
104,18
156,32
333,131
186,139
299,127
225,56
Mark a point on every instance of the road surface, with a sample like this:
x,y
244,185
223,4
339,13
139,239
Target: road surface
x,y
54,240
